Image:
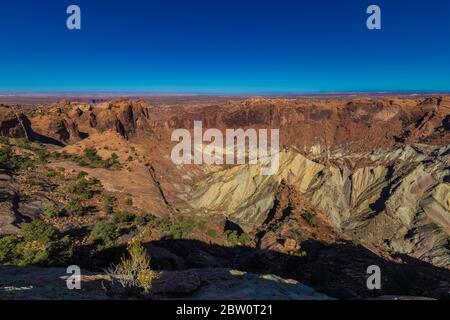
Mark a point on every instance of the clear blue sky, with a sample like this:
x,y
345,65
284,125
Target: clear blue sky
x,y
224,46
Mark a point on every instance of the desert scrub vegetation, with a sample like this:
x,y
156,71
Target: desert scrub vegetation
x,y
52,173
38,150
310,217
82,174
23,144
53,212
236,239
12,162
212,233
129,201
90,159
182,228
85,188
104,234
73,208
38,244
4,140
109,203
122,217
133,271
178,229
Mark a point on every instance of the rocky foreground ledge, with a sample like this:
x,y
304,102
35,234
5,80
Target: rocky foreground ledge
x,y
196,284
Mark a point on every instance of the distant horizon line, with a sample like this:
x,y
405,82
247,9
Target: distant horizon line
x,y
275,93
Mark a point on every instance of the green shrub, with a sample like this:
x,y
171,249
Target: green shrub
x,y
201,225
81,188
82,174
91,155
5,156
38,230
41,154
310,217
244,239
129,201
40,245
301,253
162,224
8,246
51,173
123,217
237,240
4,140
142,220
52,212
104,234
23,143
212,233
182,228
12,162
108,203
33,181
75,208
114,158
178,229
90,158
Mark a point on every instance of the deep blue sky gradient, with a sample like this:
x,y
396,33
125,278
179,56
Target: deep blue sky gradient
x,y
224,46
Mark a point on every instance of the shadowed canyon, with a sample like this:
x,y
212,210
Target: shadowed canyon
x,y
361,181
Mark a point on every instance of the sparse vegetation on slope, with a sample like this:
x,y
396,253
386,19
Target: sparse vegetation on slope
x,y
39,244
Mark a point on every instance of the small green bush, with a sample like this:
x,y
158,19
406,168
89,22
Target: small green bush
x,y
82,174
182,228
310,217
40,244
75,208
12,162
201,225
81,188
37,230
51,173
114,157
212,233
23,143
4,140
52,212
108,203
122,217
91,155
142,220
129,201
90,158
8,246
237,240
5,155
104,234
41,154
